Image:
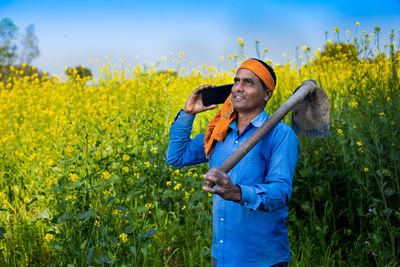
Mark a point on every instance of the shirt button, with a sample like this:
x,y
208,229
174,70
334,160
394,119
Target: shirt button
x,y
221,241
222,219
236,141
245,203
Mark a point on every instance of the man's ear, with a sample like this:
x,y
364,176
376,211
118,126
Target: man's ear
x,y
268,95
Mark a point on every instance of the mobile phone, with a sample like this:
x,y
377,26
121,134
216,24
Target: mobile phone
x,y
216,94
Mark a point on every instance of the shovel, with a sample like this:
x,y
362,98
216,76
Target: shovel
x,y
310,117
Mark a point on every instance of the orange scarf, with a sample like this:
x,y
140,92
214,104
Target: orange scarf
x,y
218,127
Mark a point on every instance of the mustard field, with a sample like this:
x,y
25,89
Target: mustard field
x,y
83,178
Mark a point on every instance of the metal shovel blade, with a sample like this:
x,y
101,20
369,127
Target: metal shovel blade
x,y
310,116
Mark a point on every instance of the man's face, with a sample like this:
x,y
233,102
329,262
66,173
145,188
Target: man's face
x,y
248,93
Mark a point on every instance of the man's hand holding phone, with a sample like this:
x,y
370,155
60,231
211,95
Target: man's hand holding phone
x,y
206,97
194,104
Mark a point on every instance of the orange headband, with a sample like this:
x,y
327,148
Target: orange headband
x,y
260,70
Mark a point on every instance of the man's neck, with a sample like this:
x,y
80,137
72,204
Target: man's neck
x,y
243,119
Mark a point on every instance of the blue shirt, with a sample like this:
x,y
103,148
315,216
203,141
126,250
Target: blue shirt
x,y
253,231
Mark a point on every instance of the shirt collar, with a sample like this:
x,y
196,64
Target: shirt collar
x,y
256,122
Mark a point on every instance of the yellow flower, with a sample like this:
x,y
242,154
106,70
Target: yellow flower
x,y
382,114
148,164
357,23
339,131
187,194
240,40
359,143
49,237
168,183
106,175
183,208
97,154
148,205
73,177
181,54
366,170
125,169
353,104
123,237
177,186
126,157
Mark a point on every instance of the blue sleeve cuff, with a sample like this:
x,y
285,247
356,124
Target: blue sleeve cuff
x,y
248,196
183,119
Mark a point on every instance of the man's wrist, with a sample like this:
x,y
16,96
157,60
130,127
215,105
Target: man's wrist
x,y
188,112
238,193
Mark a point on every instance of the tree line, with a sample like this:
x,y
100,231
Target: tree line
x,y
10,52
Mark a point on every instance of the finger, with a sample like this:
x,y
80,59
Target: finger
x,y
201,88
221,173
210,190
213,106
211,178
208,183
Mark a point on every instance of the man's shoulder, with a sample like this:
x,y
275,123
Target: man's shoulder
x,y
284,131
283,127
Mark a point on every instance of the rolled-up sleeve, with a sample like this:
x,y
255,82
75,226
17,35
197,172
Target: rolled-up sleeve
x,y
182,150
276,190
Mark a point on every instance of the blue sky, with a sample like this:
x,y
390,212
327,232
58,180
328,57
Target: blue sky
x,y
72,32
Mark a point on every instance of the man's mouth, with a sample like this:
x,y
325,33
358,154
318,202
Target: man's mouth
x,y
238,97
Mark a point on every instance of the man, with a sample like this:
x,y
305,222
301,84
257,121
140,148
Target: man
x,y
250,201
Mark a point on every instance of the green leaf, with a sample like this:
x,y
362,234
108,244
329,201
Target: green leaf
x,y
387,212
85,215
150,232
77,184
100,259
44,214
114,178
2,231
90,256
83,245
388,192
197,233
122,208
65,162
129,229
168,193
111,199
133,250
